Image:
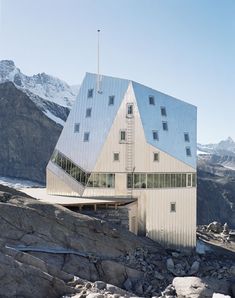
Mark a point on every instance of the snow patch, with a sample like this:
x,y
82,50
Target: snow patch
x,y
54,118
17,183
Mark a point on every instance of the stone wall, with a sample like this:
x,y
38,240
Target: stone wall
x,y
118,217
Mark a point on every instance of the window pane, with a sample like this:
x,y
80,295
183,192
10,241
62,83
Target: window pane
x,y
130,109
163,111
162,180
129,180
155,135
143,180
173,207
96,180
183,180
90,181
151,100
88,112
90,93
155,157
167,180
150,180
186,137
156,180
188,151
111,100
178,180
110,180
137,181
164,125
173,180
123,135
102,180
76,127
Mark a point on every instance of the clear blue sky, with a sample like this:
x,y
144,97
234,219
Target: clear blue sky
x,y
184,48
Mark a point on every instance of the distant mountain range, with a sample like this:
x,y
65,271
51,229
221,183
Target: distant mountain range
x,y
216,182
53,96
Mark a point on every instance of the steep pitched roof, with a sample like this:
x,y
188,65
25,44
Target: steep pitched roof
x,y
71,144
181,117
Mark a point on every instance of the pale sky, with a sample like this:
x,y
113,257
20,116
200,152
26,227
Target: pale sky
x,y
185,48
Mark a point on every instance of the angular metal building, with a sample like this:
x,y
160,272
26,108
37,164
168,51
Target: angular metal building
x,y
128,140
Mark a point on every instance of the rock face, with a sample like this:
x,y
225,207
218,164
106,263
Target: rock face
x,y
195,287
27,136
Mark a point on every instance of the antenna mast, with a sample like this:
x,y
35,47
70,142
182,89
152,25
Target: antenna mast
x,y
98,62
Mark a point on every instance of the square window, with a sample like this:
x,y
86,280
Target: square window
x,y
111,100
165,125
151,100
86,137
186,137
76,127
116,156
155,134
155,156
88,112
163,111
122,136
129,109
90,93
188,151
173,207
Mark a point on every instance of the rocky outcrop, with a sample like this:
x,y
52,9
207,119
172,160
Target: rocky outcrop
x,y
195,287
27,136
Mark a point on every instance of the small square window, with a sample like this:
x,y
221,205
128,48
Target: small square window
x,y
116,156
188,151
90,93
173,207
122,136
88,112
111,100
76,127
163,111
155,156
165,125
129,109
151,100
86,137
186,137
155,134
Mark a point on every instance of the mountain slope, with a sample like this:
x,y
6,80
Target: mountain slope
x,y
216,182
43,85
27,136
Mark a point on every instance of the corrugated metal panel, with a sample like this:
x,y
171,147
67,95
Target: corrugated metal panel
x,y
98,125
59,182
173,229
181,117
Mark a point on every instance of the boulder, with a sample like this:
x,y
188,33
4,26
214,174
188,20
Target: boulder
x,y
195,287
215,227
194,268
170,265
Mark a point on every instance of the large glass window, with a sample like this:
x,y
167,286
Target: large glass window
x,y
160,180
85,178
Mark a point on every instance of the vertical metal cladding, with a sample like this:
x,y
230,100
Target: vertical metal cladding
x,y
153,216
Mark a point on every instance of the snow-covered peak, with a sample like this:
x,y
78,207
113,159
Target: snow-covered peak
x,y
42,84
223,147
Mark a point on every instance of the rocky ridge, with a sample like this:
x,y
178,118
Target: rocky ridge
x,y
68,253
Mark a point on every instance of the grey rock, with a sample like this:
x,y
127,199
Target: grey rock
x,y
158,275
99,285
194,268
195,287
128,284
170,265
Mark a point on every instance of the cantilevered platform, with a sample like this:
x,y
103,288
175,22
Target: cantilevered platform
x,y
66,201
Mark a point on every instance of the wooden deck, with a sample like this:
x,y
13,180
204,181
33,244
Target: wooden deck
x,y
66,201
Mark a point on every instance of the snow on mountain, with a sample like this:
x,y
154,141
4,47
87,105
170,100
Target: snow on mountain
x,y
43,85
224,147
